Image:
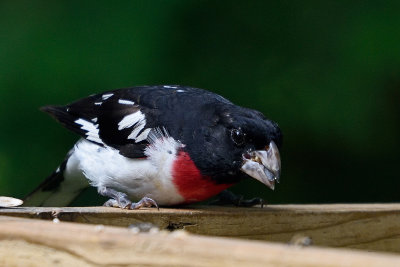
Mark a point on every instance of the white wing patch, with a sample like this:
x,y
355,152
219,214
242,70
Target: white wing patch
x,y
169,86
92,130
126,102
131,119
138,120
139,126
143,135
106,96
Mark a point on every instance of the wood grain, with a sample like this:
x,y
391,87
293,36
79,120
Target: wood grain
x,y
364,226
28,242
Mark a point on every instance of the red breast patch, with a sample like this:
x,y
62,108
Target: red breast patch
x,y
190,183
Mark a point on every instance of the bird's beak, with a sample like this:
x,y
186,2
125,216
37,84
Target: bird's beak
x,y
263,165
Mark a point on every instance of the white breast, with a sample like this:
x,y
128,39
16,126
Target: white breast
x,y
150,177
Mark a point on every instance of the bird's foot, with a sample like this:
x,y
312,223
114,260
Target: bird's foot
x,y
127,204
228,198
118,199
121,200
144,202
117,204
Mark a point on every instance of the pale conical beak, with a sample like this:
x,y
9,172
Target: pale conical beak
x,y
263,165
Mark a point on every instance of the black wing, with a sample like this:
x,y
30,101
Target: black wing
x,y
123,118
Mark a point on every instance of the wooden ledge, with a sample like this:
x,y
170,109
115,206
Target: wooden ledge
x,y
42,243
363,226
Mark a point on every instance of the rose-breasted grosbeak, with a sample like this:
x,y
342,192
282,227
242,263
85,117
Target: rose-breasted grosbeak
x,y
160,144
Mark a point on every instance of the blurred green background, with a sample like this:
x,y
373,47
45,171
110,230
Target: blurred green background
x,y
327,71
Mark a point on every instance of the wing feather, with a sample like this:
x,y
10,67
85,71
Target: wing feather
x,y
112,118
124,118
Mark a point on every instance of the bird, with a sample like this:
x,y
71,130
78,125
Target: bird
x,y
166,145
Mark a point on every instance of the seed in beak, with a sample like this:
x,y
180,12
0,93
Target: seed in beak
x,y
257,159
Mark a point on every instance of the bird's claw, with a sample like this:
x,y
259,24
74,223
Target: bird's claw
x,y
251,202
121,200
118,203
145,202
228,198
111,203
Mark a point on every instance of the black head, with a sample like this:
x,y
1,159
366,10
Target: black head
x,y
237,143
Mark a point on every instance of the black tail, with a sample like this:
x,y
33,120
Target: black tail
x,y
62,115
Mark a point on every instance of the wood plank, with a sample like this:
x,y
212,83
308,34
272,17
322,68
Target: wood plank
x,y
27,242
363,226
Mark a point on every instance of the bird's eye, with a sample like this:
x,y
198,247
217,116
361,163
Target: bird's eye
x,y
238,137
